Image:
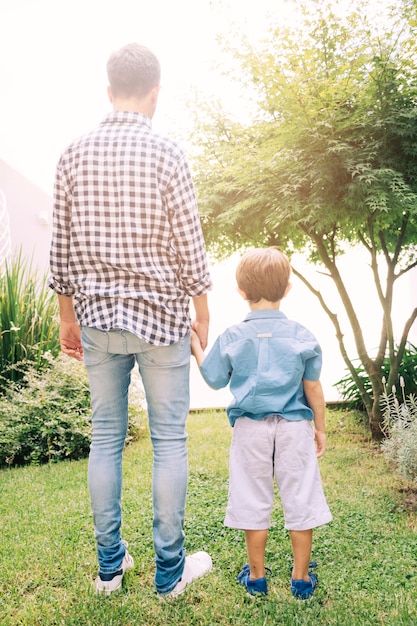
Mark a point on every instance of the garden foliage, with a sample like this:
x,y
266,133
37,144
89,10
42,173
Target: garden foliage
x,y
29,326
46,416
400,423
350,393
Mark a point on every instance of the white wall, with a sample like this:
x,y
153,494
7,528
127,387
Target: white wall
x,y
30,213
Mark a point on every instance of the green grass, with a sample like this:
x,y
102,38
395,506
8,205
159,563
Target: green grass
x,y
367,556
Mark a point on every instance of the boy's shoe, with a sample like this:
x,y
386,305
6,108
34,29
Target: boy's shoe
x,y
195,566
107,583
256,587
304,589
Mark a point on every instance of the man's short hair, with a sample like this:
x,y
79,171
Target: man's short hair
x,y
263,273
133,71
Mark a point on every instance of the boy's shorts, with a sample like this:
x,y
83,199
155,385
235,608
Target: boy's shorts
x,y
274,446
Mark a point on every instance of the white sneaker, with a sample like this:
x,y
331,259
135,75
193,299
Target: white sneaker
x,y
115,583
196,565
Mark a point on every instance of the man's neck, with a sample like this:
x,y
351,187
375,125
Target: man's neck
x,y
130,105
145,105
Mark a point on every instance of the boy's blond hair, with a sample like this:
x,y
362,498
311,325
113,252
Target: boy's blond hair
x,y
263,273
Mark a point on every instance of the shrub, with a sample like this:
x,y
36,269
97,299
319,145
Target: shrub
x,y
47,417
28,321
350,393
400,426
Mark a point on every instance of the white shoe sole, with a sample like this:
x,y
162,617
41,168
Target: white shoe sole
x,y
196,566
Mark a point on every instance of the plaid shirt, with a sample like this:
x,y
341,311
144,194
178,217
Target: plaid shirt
x,y
127,240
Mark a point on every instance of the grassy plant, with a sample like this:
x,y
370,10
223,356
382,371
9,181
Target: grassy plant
x,y
400,424
367,558
28,321
350,393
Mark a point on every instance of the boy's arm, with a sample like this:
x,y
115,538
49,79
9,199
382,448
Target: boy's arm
x,y
214,368
198,352
314,393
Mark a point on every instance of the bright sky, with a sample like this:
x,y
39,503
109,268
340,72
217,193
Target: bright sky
x,y
52,65
53,55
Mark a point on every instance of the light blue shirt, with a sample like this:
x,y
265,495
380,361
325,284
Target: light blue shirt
x,y
264,358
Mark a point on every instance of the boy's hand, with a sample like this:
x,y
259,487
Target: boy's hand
x,y
320,439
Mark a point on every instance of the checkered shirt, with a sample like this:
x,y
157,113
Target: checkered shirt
x,y
127,241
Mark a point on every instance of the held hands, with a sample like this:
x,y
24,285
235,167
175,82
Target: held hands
x,y
195,342
70,337
196,349
201,330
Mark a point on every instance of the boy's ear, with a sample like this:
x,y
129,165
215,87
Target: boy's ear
x,y
288,289
241,293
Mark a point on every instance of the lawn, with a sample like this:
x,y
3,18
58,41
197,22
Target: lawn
x,y
367,556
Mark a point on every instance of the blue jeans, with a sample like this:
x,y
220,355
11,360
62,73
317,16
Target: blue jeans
x,y
110,358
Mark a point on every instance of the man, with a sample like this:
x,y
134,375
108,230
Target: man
x,y
127,254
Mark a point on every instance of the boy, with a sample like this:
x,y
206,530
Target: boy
x,y
273,366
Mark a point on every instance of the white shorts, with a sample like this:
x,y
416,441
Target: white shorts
x,y
261,449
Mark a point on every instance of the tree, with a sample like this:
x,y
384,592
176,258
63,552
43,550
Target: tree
x,y
328,161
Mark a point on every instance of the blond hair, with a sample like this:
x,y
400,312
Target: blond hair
x,y
133,71
263,273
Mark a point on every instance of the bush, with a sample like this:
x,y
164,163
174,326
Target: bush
x,y
47,417
400,426
28,321
350,393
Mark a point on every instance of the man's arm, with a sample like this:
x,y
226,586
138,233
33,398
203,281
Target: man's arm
x,y
314,393
70,332
202,318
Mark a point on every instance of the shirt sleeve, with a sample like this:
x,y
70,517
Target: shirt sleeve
x,y
313,363
61,236
216,368
187,233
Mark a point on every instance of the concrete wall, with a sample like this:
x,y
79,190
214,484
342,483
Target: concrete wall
x,y
30,214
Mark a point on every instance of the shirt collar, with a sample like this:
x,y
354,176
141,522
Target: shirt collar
x,y
126,117
264,314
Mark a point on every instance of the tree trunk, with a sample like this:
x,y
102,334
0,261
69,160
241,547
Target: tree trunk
x,y
374,409
375,420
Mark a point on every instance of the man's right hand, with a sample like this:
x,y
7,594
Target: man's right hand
x,y
70,338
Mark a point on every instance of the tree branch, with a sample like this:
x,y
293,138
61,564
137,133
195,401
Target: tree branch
x,y
406,269
339,335
406,330
400,240
347,303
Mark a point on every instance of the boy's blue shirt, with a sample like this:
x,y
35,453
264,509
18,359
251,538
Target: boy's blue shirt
x,y
264,358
